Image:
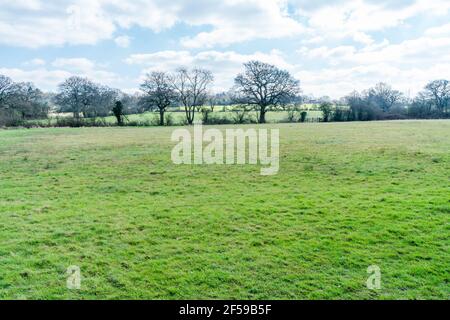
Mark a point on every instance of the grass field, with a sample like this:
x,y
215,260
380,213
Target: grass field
x,y
178,118
109,200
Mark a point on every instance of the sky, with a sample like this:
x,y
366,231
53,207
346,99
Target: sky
x,y
332,46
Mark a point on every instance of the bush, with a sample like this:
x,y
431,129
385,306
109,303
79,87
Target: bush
x,y
303,116
219,120
80,122
240,117
154,120
327,109
292,115
140,123
205,115
170,121
10,118
68,122
340,114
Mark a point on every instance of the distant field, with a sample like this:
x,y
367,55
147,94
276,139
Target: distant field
x,y
348,195
179,117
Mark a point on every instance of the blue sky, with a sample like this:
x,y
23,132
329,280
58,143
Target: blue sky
x,y
332,46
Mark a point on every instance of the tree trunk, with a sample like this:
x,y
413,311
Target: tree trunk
x,y
161,117
191,119
262,115
119,120
190,113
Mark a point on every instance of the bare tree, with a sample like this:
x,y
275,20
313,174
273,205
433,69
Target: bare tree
x,y
383,96
439,92
28,101
21,100
421,106
264,85
6,86
76,95
212,101
159,93
192,89
132,103
103,100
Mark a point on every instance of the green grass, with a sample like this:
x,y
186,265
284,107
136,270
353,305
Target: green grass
x,y
179,118
348,195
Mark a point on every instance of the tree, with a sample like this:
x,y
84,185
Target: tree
x,y
421,106
103,100
119,112
327,109
28,101
20,101
383,96
212,101
192,89
264,86
6,87
132,103
159,92
223,99
77,95
439,93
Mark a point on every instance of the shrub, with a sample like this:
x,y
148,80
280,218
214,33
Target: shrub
x,y
292,115
303,116
240,116
340,114
170,121
141,123
327,109
219,120
205,115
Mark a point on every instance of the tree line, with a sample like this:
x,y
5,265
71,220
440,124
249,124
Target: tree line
x,y
261,87
21,101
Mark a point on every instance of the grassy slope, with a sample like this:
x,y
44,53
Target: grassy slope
x,y
347,196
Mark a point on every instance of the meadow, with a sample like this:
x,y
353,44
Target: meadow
x,y
109,200
177,116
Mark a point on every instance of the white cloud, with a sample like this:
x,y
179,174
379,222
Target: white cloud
x,y
33,5
53,23
40,23
342,44
337,82
44,78
326,52
224,65
407,65
34,62
239,21
443,30
48,78
75,64
355,19
123,41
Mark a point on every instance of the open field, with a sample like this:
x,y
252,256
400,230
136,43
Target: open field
x,y
348,195
178,118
